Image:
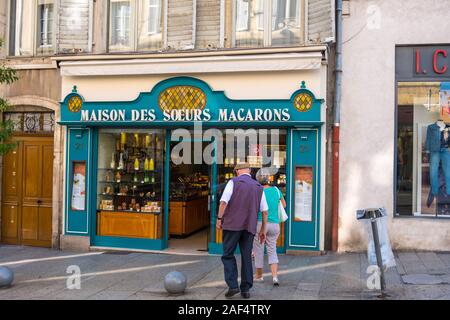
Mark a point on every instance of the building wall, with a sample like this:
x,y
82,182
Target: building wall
x,y
371,32
40,82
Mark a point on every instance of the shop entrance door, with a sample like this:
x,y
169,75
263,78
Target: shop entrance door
x,y
192,196
304,224
27,192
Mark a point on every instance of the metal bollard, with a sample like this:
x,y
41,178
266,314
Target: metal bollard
x,y
376,240
373,214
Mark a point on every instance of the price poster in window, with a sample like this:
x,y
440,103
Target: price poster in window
x,y
303,193
79,186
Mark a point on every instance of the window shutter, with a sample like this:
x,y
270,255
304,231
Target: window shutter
x,y
73,34
207,29
180,24
320,20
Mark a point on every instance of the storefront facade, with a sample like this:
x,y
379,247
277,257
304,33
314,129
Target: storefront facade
x,y
395,92
128,185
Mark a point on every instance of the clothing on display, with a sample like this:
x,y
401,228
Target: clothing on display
x,y
437,142
443,200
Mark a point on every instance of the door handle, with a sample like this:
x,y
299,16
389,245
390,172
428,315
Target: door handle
x,y
39,201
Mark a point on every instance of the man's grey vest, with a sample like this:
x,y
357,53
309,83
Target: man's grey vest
x,y
241,212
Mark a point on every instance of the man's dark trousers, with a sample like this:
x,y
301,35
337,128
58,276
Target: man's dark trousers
x,y
230,241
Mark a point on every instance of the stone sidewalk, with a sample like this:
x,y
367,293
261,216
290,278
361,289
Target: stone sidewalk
x,y
42,274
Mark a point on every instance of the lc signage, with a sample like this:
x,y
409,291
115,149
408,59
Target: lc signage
x,y
422,62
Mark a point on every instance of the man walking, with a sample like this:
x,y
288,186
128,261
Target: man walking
x,y
241,200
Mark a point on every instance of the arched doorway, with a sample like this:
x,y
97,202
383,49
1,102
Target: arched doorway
x,y
27,214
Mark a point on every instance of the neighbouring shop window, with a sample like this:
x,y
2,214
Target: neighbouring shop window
x,y
130,183
423,149
32,25
267,22
135,25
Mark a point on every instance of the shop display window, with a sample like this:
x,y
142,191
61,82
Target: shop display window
x,y
130,182
423,149
261,148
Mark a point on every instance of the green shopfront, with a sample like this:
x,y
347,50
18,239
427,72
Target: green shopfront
x,y
143,173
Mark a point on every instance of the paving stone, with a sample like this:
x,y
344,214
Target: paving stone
x,y
425,279
412,263
445,258
432,262
111,295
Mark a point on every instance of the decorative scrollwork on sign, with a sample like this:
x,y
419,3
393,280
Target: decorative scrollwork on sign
x,y
303,102
182,98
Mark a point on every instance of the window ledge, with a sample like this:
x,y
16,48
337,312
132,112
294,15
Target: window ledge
x,y
421,217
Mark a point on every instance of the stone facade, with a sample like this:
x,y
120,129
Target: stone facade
x,y
194,27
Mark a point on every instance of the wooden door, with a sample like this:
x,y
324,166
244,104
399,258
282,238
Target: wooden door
x,y
27,192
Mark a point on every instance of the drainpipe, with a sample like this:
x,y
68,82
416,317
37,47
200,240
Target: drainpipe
x,y
336,127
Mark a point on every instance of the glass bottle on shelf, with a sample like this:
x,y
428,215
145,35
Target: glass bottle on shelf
x,y
151,165
135,177
136,164
118,176
123,140
113,161
108,176
121,165
146,164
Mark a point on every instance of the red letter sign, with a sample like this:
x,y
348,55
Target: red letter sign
x,y
435,67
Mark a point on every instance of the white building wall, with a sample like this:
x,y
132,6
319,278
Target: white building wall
x,y
368,116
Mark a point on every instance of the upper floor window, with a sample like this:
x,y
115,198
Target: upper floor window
x,y
267,22
135,25
32,27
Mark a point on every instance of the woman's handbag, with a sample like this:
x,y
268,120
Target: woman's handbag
x,y
282,216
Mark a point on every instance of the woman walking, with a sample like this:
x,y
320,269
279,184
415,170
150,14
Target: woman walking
x,y
273,197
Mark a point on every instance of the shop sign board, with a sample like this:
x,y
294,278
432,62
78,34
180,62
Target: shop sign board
x,y
188,100
422,62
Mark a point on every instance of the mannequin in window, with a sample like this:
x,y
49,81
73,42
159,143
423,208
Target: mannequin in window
x,y
437,143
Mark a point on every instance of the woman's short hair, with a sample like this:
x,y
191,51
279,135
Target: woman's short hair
x,y
262,178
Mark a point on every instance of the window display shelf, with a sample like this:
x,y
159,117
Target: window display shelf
x,y
138,183
128,211
126,195
129,171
